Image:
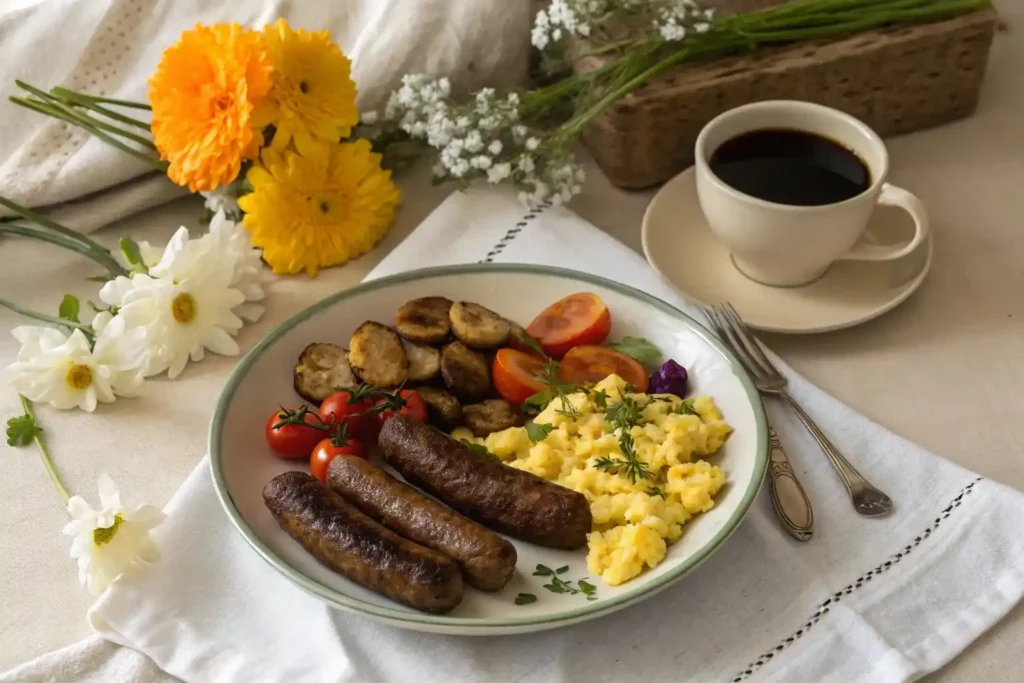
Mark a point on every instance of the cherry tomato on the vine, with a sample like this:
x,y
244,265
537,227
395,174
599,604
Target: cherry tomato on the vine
x,y
404,402
328,449
292,434
354,408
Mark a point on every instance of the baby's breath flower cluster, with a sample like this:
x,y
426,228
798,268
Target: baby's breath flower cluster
x,y
484,139
672,19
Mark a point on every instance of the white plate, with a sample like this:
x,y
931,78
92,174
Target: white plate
x,y
679,245
242,462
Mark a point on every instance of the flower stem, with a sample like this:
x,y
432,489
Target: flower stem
x,y
42,317
110,100
67,112
44,453
88,247
49,110
103,259
72,97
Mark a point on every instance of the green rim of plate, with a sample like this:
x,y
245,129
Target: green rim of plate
x,y
396,615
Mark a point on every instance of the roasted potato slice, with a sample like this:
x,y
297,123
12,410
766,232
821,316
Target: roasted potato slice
x,y
492,415
465,372
377,356
477,326
321,369
424,320
444,410
424,361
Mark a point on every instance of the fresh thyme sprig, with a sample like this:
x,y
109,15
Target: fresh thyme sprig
x,y
629,465
555,387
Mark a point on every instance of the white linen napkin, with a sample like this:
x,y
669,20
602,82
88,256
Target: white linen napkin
x,y
873,600
111,47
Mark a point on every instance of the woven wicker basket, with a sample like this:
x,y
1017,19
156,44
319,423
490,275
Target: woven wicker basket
x,y
895,80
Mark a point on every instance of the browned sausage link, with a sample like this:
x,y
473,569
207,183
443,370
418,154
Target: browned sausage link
x,y
508,500
360,549
486,559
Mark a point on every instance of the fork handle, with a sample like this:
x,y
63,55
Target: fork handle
x,y
851,478
789,499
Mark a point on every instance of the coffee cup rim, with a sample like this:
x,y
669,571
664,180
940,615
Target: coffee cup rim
x,y
701,154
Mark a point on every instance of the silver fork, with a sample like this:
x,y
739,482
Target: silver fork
x,y
867,500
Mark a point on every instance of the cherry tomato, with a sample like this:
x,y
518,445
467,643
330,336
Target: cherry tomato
x,y
407,402
577,320
515,374
353,408
327,450
589,364
293,433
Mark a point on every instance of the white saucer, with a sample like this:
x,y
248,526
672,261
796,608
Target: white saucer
x,y
679,245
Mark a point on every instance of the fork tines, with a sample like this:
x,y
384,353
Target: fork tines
x,y
734,332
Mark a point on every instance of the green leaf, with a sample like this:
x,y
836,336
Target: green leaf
x,y
601,399
538,402
586,588
562,570
531,344
538,431
482,450
555,587
132,255
543,571
69,308
639,348
685,407
22,430
525,598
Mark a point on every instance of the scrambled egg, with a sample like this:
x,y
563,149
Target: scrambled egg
x,y
636,457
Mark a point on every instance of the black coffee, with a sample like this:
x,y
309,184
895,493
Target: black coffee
x,y
790,167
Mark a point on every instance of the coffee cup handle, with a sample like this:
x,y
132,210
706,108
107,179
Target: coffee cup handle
x,y
894,196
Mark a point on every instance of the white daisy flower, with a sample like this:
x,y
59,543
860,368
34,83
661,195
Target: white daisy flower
x,y
183,319
226,245
70,374
112,540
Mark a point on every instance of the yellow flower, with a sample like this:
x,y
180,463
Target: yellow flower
x,y
313,95
202,93
318,207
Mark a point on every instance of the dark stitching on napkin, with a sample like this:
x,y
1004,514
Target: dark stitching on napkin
x,y
512,232
861,580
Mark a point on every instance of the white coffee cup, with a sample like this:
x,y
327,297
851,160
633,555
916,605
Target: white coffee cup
x,y
787,245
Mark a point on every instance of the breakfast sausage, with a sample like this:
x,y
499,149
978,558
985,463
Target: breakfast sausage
x,y
487,560
508,500
360,549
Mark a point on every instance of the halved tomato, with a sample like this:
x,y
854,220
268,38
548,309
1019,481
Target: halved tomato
x,y
576,320
515,374
589,364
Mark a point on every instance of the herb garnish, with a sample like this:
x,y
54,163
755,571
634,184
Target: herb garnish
x,y
656,491
525,598
624,414
629,465
481,449
558,585
556,388
601,399
685,407
638,348
538,431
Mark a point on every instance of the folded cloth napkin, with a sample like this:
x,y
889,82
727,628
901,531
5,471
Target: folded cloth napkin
x,y
110,48
874,600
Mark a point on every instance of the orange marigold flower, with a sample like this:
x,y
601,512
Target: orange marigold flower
x,y
203,93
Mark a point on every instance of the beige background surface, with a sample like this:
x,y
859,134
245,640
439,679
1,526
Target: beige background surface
x,y
945,369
